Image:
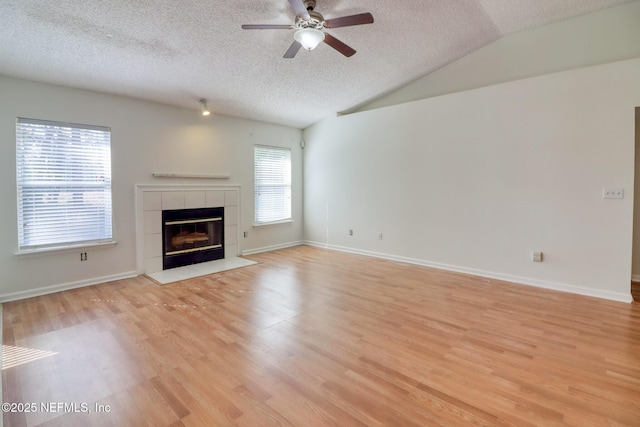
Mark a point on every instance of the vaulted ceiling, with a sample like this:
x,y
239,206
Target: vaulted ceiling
x,y
176,52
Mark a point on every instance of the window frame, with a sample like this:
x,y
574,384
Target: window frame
x,y
286,184
97,138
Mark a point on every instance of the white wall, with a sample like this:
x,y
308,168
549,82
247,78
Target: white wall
x,y
146,138
636,207
474,181
596,38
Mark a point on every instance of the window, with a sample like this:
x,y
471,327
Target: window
x,y
64,184
272,184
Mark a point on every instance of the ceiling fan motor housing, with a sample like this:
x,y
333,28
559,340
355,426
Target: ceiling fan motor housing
x,y
316,21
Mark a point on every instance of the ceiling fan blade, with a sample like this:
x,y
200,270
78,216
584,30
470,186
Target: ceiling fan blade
x,y
347,21
338,45
300,9
266,27
293,49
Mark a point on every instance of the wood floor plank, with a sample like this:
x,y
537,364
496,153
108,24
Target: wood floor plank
x,y
312,337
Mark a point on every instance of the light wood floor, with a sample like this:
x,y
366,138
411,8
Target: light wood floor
x,y
310,337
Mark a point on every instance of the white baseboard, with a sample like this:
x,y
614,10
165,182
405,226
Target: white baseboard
x,y
1,346
635,277
14,296
273,247
615,296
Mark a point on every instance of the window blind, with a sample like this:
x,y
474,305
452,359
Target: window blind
x,y
64,184
272,184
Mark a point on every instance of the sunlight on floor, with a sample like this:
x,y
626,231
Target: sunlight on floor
x,y
14,356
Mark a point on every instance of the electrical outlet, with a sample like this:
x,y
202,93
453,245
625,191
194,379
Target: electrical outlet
x,y
246,234
350,232
83,256
536,256
379,236
613,193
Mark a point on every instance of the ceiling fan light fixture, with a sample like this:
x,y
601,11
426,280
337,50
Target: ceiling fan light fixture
x,y
309,38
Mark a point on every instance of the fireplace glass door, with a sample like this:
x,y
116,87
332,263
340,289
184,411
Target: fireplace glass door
x,y
192,236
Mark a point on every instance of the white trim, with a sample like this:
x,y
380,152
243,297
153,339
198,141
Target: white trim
x,y
635,277
189,175
185,187
14,296
273,247
563,287
64,249
281,221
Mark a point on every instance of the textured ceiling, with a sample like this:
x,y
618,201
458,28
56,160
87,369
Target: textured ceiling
x,y
176,52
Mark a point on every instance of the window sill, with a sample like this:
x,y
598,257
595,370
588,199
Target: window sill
x,y
54,250
283,221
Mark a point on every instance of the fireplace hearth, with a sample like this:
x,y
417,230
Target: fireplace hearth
x,y
191,236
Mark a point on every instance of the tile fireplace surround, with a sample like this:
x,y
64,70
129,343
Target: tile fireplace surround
x,y
151,200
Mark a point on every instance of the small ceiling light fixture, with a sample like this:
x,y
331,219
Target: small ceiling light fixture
x,y
205,109
309,38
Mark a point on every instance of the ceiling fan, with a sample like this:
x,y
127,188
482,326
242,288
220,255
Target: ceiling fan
x,y
309,25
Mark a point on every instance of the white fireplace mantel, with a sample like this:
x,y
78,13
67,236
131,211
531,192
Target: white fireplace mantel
x,y
151,200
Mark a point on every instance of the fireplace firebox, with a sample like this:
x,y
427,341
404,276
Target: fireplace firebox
x,y
191,236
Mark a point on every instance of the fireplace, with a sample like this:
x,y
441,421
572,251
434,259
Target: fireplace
x,y
191,236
